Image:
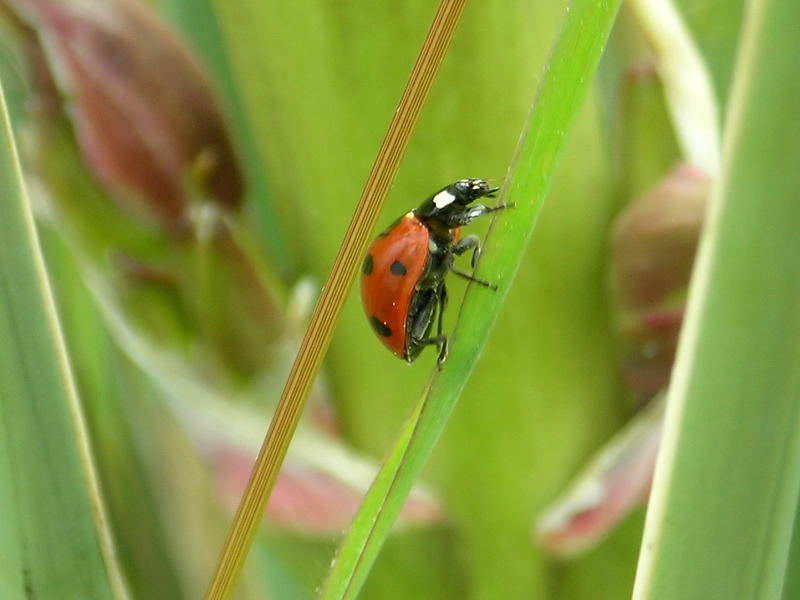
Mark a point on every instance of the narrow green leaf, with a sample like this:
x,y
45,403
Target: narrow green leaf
x,y
110,389
722,512
791,586
55,544
567,77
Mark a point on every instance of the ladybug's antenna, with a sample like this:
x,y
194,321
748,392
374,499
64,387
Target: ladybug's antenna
x,y
493,191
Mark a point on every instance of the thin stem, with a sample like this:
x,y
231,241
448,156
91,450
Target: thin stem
x,y
687,84
326,312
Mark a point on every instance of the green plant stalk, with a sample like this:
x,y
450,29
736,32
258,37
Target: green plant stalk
x,y
687,83
725,495
567,77
54,525
329,306
109,388
791,585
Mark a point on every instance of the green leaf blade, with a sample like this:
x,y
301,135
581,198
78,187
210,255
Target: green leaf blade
x,y
567,77
727,485
51,514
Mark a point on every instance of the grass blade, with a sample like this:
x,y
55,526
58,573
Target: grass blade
x,y
574,60
791,586
721,516
329,306
687,85
56,544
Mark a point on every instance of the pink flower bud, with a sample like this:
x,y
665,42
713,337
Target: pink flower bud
x,y
653,247
655,238
143,111
652,253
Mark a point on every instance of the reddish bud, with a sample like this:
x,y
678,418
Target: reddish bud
x,y
652,254
313,498
655,238
144,113
617,478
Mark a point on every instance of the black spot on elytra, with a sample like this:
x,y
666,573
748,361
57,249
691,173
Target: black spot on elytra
x,y
366,268
398,268
380,327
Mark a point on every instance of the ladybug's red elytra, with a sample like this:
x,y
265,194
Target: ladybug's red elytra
x,y
403,274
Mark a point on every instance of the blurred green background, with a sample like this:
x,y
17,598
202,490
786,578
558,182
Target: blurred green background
x,y
156,322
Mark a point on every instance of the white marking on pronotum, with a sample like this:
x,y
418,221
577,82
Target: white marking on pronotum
x,y
443,198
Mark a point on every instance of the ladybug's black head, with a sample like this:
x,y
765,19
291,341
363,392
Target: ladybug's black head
x,y
466,191
447,207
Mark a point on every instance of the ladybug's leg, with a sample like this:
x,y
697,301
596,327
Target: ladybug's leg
x,y
474,279
420,319
468,216
422,324
436,340
443,348
470,242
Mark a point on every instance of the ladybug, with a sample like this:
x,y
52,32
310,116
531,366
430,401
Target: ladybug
x,y
403,274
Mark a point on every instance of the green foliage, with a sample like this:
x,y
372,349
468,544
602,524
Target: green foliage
x,y
55,542
308,88
733,422
575,57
